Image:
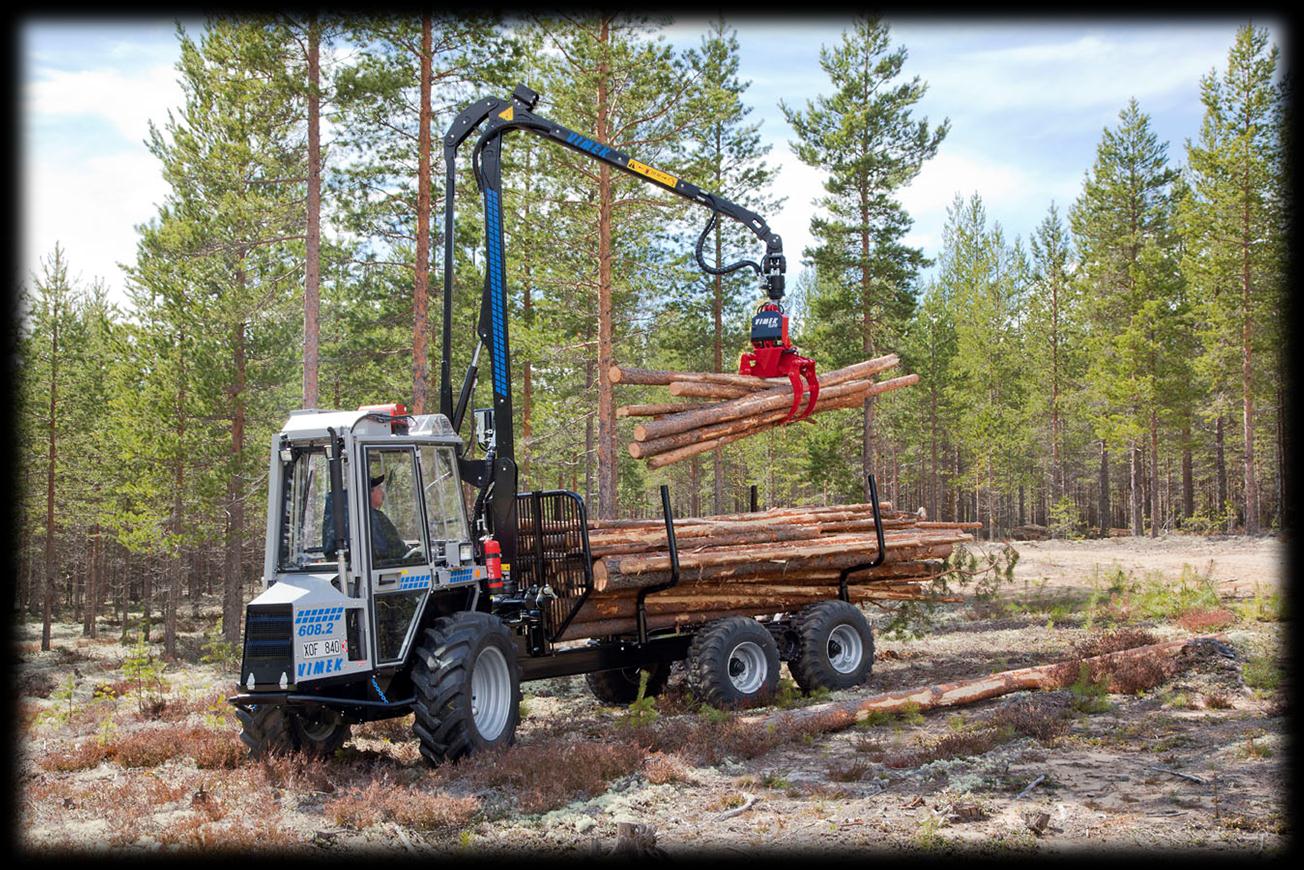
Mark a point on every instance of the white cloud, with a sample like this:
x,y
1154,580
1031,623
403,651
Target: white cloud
x,y
801,184
1089,72
127,99
90,206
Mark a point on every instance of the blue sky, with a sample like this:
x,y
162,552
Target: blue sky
x,y
1027,102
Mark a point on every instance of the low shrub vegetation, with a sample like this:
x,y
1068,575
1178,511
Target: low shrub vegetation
x,y
151,747
413,808
547,774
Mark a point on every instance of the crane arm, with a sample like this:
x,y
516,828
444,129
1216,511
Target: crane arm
x,y
499,116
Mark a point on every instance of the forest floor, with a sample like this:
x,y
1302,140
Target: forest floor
x,y
116,760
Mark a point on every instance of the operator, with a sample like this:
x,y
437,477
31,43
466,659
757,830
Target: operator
x,y
386,543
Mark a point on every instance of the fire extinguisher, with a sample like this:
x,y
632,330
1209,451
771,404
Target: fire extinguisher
x,y
493,561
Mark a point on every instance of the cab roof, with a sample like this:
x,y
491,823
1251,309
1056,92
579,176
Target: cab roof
x,y
311,424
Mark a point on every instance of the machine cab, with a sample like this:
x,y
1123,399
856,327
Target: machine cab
x,y
334,605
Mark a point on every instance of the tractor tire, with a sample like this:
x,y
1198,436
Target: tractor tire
x,y
468,687
835,647
621,686
733,662
273,729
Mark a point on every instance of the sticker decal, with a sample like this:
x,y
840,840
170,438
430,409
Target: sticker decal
x,y
655,174
317,621
319,668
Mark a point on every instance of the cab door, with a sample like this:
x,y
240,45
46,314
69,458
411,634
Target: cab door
x,y
399,569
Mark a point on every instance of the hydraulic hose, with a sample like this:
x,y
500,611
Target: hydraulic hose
x,y
724,270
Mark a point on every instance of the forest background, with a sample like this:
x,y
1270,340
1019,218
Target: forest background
x,y
1120,370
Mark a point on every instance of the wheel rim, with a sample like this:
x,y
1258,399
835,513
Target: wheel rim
x,y
845,649
318,728
491,693
747,667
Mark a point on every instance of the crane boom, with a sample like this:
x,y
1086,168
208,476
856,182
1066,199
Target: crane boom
x,y
497,471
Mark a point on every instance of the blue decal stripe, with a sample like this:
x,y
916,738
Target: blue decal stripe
x,y
318,614
496,269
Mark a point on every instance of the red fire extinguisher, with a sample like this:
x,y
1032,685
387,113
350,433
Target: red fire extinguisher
x,y
493,560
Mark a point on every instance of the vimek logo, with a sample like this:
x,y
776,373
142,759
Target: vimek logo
x,y
319,668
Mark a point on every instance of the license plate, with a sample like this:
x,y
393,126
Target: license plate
x,y
316,649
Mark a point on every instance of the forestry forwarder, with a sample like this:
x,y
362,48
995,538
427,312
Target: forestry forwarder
x,y
387,603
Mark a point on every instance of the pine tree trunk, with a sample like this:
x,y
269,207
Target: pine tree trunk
x,y
92,584
588,433
1103,496
527,314
607,444
421,281
1220,465
934,497
51,563
1247,366
717,347
1188,474
867,345
312,267
1154,473
147,600
232,581
1135,480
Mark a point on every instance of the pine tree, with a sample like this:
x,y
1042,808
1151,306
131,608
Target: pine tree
x,y
728,158
51,313
233,222
606,77
1236,217
1052,331
928,349
1125,206
865,138
983,277
393,102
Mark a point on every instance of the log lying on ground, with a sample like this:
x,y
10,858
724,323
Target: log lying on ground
x,y
842,714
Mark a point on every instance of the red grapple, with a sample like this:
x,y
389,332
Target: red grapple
x,y
773,356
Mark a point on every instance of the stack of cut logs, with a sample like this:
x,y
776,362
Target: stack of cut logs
x,y
757,563
743,406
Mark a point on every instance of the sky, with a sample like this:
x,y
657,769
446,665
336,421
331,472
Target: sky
x,y
1027,101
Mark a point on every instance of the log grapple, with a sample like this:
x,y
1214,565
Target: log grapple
x,y
773,356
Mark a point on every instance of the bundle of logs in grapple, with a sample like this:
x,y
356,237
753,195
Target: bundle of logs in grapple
x,y
743,406
772,561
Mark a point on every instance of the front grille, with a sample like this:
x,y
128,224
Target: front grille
x,y
268,646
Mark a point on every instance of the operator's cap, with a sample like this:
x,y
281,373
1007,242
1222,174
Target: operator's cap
x,y
377,480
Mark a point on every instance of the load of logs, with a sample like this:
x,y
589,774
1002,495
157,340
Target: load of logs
x,y
743,405
752,564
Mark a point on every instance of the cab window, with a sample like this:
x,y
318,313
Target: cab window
x,y
307,535
394,521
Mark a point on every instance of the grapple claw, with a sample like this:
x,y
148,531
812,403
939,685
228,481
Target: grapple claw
x,y
796,396
813,387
